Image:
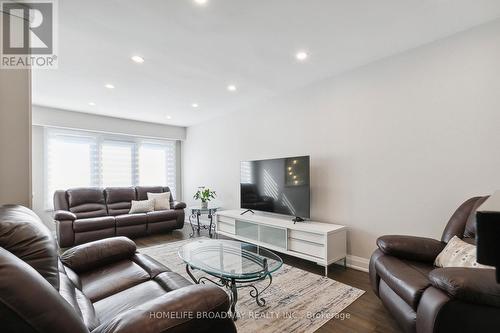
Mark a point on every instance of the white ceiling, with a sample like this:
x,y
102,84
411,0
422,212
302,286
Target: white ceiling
x,y
193,52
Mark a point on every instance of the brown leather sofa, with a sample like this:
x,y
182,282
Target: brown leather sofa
x,y
426,299
87,214
100,287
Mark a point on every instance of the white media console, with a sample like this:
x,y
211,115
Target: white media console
x,y
323,243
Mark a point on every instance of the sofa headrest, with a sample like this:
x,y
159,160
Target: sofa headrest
x,y
119,194
87,202
142,191
463,222
119,199
23,234
84,195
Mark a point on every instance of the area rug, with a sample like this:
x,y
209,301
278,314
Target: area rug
x,y
296,301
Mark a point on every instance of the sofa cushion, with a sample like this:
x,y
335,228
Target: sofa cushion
x,y
142,206
95,223
109,307
130,219
142,191
172,281
162,200
458,253
167,189
111,279
118,199
162,216
87,202
408,279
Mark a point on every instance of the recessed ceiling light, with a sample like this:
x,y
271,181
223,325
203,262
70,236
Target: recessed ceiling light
x,y
169,117
201,2
137,59
91,103
301,56
194,105
109,86
231,87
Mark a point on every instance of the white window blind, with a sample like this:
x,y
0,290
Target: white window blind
x,y
246,172
117,163
81,159
70,162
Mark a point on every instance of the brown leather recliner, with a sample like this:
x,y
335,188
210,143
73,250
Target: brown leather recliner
x,y
99,287
426,299
87,214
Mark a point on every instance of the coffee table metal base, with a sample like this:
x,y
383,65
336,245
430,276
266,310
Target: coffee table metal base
x,y
232,285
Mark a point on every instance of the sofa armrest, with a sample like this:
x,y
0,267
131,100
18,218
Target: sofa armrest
x,y
475,285
195,308
95,254
64,215
410,247
178,205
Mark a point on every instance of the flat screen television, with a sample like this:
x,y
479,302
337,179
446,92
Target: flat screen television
x,y
279,185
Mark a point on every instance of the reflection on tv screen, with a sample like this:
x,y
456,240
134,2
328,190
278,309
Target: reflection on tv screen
x,y
276,185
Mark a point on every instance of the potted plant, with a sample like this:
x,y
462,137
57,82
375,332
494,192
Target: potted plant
x,y
204,194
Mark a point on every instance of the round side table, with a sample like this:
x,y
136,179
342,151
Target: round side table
x,y
194,219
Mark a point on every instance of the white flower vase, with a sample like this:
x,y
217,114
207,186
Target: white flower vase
x,y
204,204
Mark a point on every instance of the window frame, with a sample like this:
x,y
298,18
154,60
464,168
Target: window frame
x,y
97,172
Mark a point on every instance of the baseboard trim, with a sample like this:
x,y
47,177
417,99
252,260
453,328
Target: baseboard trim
x,y
357,263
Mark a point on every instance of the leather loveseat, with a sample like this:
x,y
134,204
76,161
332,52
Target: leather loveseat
x,y
87,214
427,299
99,287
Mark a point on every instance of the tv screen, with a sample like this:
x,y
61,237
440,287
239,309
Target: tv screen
x,y
278,185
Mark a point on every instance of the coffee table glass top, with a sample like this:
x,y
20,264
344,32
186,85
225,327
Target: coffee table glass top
x,y
230,259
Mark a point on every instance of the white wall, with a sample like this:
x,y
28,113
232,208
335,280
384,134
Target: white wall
x,y
395,146
49,117
15,135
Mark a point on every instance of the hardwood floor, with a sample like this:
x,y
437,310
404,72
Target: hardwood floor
x,y
366,314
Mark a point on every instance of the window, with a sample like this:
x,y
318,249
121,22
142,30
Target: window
x,y
75,159
69,162
117,163
246,172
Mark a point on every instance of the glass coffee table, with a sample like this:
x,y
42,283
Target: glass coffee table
x,y
233,264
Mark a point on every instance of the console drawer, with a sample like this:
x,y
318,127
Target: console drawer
x,y
225,227
306,247
224,219
307,236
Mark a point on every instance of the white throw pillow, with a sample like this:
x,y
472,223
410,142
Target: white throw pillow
x,y
162,200
142,206
458,253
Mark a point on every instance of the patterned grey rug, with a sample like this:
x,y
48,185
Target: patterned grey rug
x,y
296,301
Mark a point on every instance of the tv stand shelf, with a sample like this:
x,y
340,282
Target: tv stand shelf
x,y
323,243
